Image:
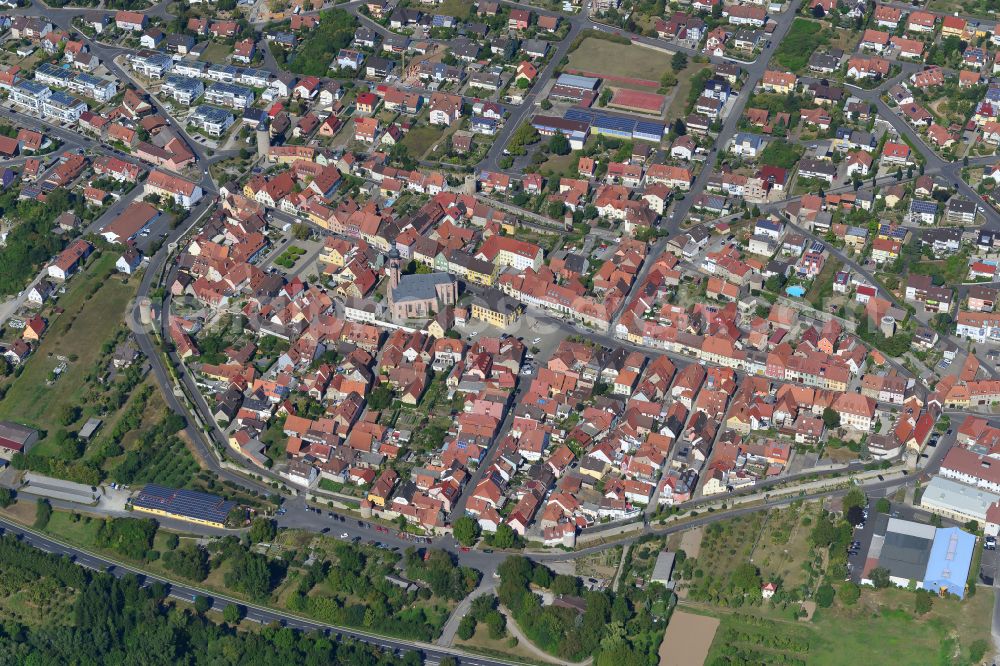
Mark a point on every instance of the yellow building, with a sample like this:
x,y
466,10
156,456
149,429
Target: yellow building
x,y
496,309
472,269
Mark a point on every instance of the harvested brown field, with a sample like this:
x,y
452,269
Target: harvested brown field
x,y
688,639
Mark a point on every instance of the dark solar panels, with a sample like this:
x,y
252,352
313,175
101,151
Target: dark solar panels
x,y
185,503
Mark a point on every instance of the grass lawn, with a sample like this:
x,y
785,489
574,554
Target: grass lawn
x,y
481,642
151,416
822,286
561,165
419,139
802,40
80,330
953,270
217,53
456,8
883,623
610,59
678,105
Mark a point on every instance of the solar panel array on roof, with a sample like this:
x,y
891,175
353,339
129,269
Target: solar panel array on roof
x,y
649,127
187,503
617,124
59,98
577,113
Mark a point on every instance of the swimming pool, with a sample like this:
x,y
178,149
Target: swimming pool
x,y
795,291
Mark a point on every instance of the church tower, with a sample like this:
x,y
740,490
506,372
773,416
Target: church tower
x,y
394,267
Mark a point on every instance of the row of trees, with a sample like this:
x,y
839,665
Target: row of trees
x,y
117,621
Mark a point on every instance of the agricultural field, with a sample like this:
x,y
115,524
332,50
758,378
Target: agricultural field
x,y
688,639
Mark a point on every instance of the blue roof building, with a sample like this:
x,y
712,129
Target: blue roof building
x,y
949,561
577,81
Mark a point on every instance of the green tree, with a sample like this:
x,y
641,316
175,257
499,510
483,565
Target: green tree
x,y
922,602
466,530
68,414
559,145
565,585
497,623
505,536
880,577
977,650
523,136
202,604
380,398
467,627
746,578
831,418
849,593
824,595
250,575
679,61
882,505
232,614
189,561
823,534
43,514
263,530
855,497
6,497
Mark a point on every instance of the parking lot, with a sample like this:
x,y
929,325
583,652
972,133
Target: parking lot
x,y
864,535
988,567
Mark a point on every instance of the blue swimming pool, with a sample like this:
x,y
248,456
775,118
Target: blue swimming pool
x,y
795,291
